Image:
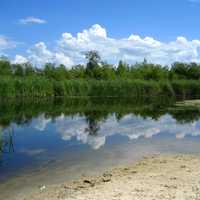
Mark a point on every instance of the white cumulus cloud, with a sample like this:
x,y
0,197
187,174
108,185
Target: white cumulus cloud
x,y
69,49
20,59
40,54
132,49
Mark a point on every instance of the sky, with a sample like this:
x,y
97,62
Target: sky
x,y
61,31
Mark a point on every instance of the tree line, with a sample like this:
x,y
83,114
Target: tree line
x,y
100,70
98,78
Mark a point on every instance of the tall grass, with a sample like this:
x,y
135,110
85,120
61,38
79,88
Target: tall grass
x,y
43,87
186,89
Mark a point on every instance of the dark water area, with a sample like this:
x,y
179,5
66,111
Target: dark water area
x,y
77,135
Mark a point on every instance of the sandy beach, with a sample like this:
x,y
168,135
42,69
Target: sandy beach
x,y
152,178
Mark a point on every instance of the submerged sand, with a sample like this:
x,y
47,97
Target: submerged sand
x,y
152,178
194,102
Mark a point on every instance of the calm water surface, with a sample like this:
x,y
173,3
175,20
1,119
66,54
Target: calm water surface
x,y
52,141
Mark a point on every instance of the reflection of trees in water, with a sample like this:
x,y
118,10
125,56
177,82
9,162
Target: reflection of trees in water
x,y
6,141
93,126
94,109
22,111
185,114
94,118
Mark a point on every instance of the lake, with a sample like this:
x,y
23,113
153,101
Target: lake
x,y
51,141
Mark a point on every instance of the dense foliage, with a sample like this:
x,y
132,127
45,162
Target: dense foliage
x,y
98,78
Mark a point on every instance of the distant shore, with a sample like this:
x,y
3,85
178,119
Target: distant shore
x,y
155,177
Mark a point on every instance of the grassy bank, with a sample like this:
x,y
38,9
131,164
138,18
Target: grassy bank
x,y
43,87
97,78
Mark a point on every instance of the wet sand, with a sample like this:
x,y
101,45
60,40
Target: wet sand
x,y
152,178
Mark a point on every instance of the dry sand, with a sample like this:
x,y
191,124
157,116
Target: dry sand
x,y
152,178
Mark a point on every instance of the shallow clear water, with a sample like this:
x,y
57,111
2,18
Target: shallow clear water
x,y
64,140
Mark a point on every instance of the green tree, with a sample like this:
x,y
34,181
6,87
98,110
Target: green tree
x,y
122,69
28,69
61,73
180,70
193,71
108,71
5,67
18,70
93,60
49,70
77,72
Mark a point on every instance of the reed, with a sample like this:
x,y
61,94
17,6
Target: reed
x,y
43,87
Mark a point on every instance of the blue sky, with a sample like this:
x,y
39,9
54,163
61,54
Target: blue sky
x,y
45,21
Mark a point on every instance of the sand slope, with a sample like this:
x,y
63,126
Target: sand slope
x,y
153,178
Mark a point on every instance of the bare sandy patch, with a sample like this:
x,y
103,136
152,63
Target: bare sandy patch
x,y
152,178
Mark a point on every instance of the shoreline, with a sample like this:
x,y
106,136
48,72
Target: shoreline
x,y
153,177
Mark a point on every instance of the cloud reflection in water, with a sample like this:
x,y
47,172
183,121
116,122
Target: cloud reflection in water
x,y
95,133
